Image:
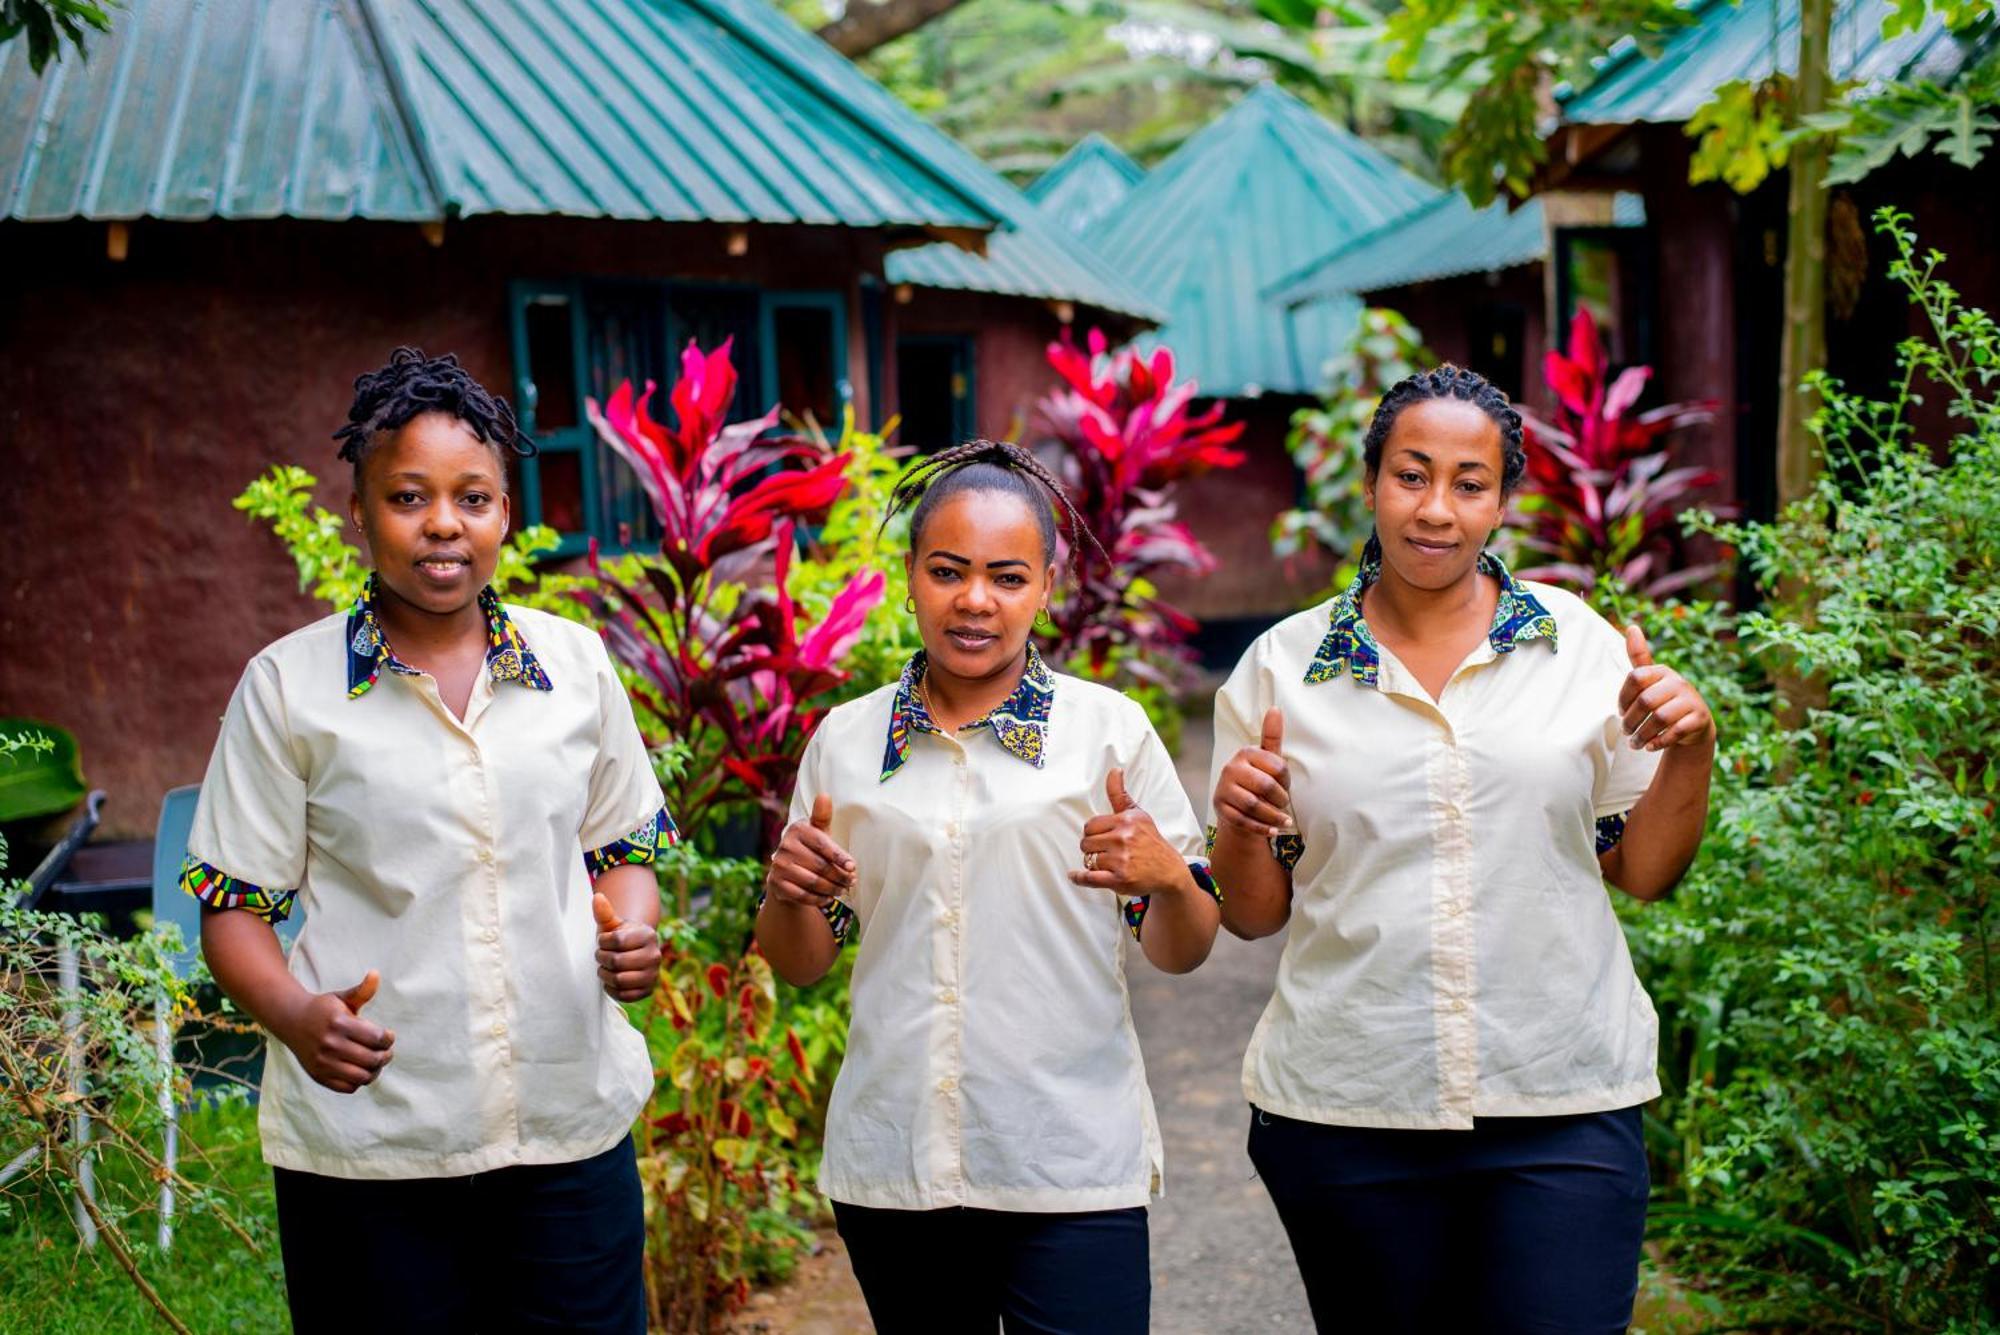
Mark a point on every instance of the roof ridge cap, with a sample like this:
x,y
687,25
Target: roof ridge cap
x,y
896,137
389,56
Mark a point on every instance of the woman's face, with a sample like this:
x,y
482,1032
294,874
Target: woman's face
x,y
432,503
1436,495
978,578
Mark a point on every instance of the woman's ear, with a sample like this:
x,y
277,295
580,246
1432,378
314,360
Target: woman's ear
x,y
1368,490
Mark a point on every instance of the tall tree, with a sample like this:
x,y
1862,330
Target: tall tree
x,y
1805,262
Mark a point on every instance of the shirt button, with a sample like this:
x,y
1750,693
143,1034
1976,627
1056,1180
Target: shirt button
x,y
947,1085
486,855
1458,1003
491,934
949,917
951,830
499,1028
1456,907
948,997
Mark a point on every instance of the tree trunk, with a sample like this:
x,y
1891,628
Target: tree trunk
x,y
868,24
1804,348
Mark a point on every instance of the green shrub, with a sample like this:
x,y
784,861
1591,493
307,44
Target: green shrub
x,y
1830,1138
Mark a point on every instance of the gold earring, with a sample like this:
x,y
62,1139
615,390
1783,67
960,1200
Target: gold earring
x,y
910,603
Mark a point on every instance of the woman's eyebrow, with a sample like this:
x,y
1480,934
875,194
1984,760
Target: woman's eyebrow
x,y
941,554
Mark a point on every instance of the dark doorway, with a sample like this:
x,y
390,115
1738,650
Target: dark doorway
x,y
934,390
1497,340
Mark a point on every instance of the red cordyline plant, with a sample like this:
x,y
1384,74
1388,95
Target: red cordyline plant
x,y
708,630
1600,498
1127,435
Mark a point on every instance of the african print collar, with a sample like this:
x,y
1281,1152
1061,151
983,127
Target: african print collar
x,y
1349,644
1020,724
368,652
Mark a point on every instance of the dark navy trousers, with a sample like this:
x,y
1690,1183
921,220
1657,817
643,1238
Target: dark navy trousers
x,y
1523,1224
959,1271
542,1247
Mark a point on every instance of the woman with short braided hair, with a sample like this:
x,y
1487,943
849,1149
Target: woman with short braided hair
x,y
1446,1084
990,829
454,792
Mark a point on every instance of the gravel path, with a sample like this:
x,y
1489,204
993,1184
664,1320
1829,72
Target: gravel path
x,y
1221,1263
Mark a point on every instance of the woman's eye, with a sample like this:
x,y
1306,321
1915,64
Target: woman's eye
x,y
943,572
1414,479
476,499
1012,581
406,498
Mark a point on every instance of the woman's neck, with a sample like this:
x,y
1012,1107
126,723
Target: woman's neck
x,y
1400,610
419,636
955,701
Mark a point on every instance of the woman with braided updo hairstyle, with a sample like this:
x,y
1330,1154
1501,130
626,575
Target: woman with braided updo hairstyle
x,y
1446,1084
453,792
990,830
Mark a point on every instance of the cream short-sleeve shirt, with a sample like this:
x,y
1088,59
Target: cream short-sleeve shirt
x,y
1452,949
991,1060
448,856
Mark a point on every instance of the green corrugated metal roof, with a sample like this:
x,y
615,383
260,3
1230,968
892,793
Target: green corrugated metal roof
x,y
680,110
1086,183
1748,40
1441,238
1029,255
1266,188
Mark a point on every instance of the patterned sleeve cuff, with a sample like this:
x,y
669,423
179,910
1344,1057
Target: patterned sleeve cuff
x,y
1286,848
1135,909
1610,829
838,916
637,849
219,890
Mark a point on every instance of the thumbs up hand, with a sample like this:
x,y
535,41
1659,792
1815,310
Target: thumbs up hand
x,y
335,1045
809,868
1253,794
628,953
1124,852
1659,708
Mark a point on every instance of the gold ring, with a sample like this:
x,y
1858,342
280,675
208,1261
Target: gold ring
x,y
1090,862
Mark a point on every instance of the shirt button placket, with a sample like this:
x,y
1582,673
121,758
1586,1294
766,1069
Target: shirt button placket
x,y
952,1016
1463,1031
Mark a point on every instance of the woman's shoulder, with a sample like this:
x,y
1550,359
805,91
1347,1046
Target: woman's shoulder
x,y
315,646
1096,695
1292,639
1575,619
870,710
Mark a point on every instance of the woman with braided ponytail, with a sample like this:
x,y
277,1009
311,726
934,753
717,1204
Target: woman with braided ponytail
x,y
435,778
1446,1084
990,830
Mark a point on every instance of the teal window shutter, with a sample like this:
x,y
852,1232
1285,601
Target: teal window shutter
x,y
559,486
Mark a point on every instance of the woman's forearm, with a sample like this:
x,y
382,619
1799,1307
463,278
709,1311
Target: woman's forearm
x,y
634,891
243,953
1256,887
797,940
1178,930
1664,829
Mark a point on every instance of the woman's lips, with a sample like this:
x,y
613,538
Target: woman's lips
x,y
442,572
972,641
1432,548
